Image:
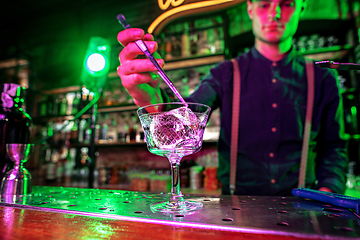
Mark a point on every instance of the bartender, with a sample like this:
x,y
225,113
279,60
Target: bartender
x,y
273,100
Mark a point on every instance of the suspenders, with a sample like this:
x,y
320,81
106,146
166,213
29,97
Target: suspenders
x,y
236,115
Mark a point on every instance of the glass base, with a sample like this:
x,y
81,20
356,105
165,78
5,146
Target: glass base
x,y
176,207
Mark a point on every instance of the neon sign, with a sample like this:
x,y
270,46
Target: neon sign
x,y
174,3
181,8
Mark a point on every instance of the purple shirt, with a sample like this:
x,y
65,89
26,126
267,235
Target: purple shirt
x,y
272,115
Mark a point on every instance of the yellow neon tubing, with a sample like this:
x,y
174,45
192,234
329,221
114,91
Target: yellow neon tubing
x,y
186,7
174,3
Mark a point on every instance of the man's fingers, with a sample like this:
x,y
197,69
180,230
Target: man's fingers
x,y
131,51
132,34
138,66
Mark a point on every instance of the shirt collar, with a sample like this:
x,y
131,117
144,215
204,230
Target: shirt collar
x,y
282,62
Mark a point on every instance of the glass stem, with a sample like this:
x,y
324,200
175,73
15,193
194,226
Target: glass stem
x,y
175,180
19,166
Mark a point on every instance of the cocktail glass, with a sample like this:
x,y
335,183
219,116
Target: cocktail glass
x,y
174,130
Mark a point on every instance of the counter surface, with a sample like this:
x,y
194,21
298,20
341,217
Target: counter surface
x,y
74,213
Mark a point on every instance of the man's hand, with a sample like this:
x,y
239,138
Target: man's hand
x,y
137,74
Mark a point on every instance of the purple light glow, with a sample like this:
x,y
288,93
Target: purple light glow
x,y
12,176
169,223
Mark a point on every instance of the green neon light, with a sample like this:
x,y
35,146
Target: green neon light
x,y
95,62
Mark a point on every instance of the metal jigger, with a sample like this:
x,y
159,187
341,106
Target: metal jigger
x,y
17,181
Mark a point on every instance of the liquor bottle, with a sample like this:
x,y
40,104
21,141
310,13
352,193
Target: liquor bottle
x,y
59,172
74,133
120,129
176,47
185,42
76,103
42,106
124,128
82,129
161,45
184,87
50,106
69,166
69,99
63,105
112,134
139,131
84,97
45,158
202,44
51,167
168,50
193,43
132,129
211,40
57,103
219,40
104,129
87,133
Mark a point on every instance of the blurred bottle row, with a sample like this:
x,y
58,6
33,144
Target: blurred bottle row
x,y
64,166
314,41
67,104
115,127
68,167
192,38
111,128
114,94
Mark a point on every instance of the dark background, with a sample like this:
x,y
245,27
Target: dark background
x,y
53,35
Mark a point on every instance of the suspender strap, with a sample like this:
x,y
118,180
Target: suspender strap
x,y
236,115
234,125
308,119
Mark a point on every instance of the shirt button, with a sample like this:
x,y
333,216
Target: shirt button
x,y
274,80
273,129
274,105
274,64
271,155
273,181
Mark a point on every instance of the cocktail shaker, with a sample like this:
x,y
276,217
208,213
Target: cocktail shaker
x,y
15,122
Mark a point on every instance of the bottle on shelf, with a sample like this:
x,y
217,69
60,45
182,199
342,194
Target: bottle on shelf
x,y
168,49
63,105
112,134
202,44
185,42
51,167
87,134
74,133
50,105
211,40
69,99
45,158
184,87
176,47
85,161
42,106
132,129
57,103
161,45
76,103
69,166
121,128
139,132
